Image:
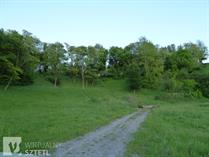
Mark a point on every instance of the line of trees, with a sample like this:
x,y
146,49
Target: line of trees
x,y
142,64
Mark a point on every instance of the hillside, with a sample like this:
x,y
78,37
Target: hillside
x,y
41,112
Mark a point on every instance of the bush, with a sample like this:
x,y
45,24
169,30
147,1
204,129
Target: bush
x,y
25,79
201,76
170,83
190,88
203,84
186,87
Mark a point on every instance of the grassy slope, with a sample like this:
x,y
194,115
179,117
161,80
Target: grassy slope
x,y
178,128
42,112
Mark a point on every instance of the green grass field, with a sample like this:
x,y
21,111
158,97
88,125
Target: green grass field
x,y
45,113
177,128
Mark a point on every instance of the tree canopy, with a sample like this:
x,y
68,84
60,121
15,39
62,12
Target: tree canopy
x,y
143,64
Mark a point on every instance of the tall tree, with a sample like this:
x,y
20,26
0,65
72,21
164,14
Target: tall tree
x,y
54,57
150,60
95,63
81,56
118,60
198,51
150,63
18,56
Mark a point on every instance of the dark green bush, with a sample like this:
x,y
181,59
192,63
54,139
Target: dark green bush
x,y
170,83
183,86
201,76
190,88
203,84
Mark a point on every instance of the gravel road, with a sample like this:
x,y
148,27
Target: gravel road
x,y
108,141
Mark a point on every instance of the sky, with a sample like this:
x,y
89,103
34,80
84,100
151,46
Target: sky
x,y
109,22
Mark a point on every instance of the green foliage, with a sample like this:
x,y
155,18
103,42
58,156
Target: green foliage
x,y
185,67
201,75
204,85
183,59
73,72
118,60
170,83
8,70
89,62
180,83
173,67
198,51
54,56
149,60
133,76
189,88
151,66
97,57
91,75
18,55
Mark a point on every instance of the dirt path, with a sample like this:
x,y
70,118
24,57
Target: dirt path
x,y
107,141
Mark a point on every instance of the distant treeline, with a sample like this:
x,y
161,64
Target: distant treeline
x,y
177,69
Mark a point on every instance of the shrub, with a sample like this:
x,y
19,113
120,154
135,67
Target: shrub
x,y
190,88
201,76
203,84
186,87
170,83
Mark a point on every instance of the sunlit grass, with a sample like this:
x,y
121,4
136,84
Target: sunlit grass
x,y
177,128
45,113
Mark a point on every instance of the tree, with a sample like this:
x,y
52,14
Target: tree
x,y
18,57
8,71
29,60
95,63
54,57
90,60
97,56
133,76
198,51
118,60
150,63
80,54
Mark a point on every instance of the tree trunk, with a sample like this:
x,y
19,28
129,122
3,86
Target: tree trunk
x,y
83,79
55,82
8,84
